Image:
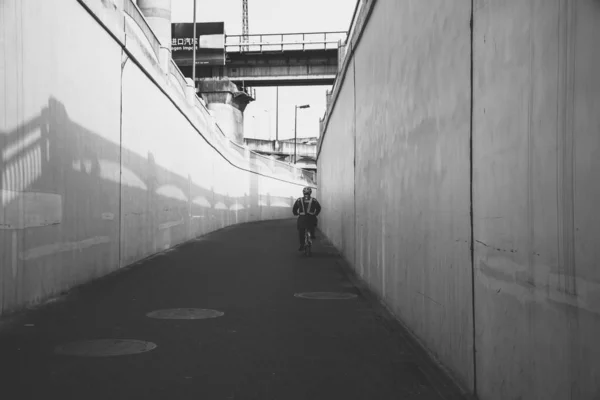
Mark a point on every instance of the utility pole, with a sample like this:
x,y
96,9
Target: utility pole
x,y
194,55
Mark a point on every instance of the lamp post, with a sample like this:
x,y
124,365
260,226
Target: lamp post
x,y
296,128
277,116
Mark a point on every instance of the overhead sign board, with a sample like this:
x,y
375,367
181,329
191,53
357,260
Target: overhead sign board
x,y
209,42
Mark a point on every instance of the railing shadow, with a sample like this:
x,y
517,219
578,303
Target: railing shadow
x,y
76,206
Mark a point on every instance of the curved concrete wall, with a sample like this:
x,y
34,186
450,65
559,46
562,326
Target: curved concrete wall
x,y
529,304
100,165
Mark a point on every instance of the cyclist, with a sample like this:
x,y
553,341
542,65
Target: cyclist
x,y
307,208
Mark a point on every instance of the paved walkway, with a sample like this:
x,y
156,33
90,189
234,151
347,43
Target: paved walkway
x,y
269,344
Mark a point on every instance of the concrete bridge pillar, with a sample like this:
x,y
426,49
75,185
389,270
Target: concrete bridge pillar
x,y
227,103
158,15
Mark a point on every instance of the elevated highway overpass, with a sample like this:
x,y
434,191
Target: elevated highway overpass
x,y
289,59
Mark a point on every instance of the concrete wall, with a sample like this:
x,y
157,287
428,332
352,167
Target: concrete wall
x,y
336,174
101,166
409,239
231,120
535,293
536,194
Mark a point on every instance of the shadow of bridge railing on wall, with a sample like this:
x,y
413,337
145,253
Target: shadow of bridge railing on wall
x,y
68,200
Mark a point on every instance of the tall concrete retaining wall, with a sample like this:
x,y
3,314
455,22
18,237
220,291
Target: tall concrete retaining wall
x,y
507,299
105,157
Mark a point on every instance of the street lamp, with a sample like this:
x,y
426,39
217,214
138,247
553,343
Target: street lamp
x,y
296,128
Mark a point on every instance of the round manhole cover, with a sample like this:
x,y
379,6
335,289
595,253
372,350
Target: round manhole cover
x,y
104,348
185,313
326,295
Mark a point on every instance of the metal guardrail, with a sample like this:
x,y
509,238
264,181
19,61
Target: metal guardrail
x,y
134,12
355,14
220,130
284,41
199,104
176,72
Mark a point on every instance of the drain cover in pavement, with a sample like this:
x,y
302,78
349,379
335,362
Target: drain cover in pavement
x,y
185,313
326,295
104,348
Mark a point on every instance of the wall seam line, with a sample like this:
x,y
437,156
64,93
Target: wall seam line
x,y
471,196
354,166
121,162
123,64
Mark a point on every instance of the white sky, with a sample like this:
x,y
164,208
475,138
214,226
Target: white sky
x,y
275,16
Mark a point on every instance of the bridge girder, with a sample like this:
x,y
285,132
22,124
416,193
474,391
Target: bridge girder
x,y
273,68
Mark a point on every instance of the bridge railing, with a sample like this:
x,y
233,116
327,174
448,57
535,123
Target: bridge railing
x,y
176,73
284,41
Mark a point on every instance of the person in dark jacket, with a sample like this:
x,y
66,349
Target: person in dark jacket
x,y
308,208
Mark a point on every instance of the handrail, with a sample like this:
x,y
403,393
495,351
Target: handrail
x,y
242,43
136,15
221,130
176,72
278,43
199,104
355,14
288,33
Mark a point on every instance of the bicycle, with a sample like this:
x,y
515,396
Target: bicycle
x,y
307,242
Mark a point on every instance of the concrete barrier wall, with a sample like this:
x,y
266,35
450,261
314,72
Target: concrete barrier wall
x,y
534,292
100,165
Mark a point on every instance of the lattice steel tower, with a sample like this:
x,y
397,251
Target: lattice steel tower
x,y
245,24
